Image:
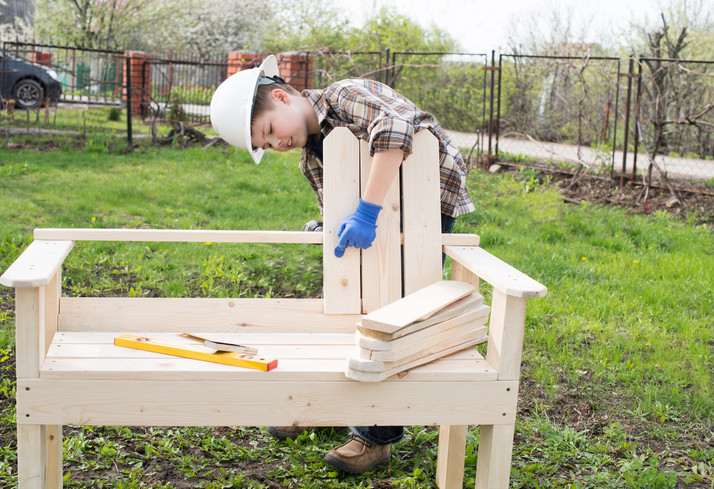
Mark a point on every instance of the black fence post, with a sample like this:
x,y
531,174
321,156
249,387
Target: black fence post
x,y
129,138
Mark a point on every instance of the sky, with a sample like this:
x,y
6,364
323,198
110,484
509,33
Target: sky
x,y
482,25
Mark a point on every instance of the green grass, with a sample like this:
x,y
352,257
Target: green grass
x,y
618,359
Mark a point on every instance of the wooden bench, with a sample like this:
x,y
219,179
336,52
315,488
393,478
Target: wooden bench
x,y
69,371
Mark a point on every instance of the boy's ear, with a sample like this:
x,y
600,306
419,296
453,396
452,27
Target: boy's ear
x,y
279,95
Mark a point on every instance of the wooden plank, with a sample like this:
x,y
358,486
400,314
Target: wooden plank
x,y
495,449
51,297
507,328
496,272
433,352
210,236
264,403
449,326
31,459
421,201
180,235
450,458
418,306
170,369
470,303
458,337
367,371
29,321
37,265
452,337
260,339
341,276
54,473
463,274
282,352
382,262
143,315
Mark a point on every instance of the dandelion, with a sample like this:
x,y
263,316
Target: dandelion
x,y
636,262
208,243
583,259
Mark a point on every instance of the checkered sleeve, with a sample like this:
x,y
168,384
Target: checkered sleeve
x,y
311,167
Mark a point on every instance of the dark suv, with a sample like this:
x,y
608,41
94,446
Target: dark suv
x,y
29,84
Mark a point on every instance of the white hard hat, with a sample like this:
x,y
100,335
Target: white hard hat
x,y
232,105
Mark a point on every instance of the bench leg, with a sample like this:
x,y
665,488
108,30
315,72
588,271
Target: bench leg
x,y
495,449
39,456
450,459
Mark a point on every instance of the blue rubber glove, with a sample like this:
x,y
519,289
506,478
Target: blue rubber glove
x,y
358,229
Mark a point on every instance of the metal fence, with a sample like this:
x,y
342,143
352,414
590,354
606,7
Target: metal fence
x,y
602,113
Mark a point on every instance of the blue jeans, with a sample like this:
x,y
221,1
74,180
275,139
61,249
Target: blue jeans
x,y
384,435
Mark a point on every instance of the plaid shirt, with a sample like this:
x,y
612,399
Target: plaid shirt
x,y
387,120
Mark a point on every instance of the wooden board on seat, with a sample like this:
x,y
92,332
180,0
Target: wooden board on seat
x,y
302,357
417,306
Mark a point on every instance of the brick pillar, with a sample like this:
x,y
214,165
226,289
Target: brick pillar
x,y
140,82
239,61
44,59
296,69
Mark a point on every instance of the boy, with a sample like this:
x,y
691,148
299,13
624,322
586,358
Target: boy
x,y
255,110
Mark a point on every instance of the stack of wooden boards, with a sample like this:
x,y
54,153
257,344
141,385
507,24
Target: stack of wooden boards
x,y
436,321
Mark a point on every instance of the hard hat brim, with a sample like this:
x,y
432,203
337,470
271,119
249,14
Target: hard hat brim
x,y
232,106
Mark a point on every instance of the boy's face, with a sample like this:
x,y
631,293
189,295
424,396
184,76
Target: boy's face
x,y
281,128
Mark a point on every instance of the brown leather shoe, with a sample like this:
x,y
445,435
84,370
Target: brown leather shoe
x,y
358,456
292,432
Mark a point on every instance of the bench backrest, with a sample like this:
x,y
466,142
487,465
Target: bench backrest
x,y
406,255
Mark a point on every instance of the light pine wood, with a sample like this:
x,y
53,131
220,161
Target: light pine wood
x,y
421,214
417,306
495,448
53,443
367,371
180,235
29,321
382,262
445,370
471,303
37,265
448,327
31,456
456,337
505,344
341,282
496,272
450,458
211,236
265,403
463,274
143,315
51,297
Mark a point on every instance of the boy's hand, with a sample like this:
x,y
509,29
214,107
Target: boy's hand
x,y
359,228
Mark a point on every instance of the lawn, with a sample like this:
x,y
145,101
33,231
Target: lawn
x,y
618,361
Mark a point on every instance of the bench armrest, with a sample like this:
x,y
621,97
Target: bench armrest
x,y
36,266
496,272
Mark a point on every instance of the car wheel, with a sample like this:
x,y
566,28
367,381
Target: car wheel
x,y
28,94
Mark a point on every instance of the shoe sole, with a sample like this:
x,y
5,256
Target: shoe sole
x,y
340,464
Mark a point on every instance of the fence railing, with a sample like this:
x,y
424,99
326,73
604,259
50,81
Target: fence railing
x,y
634,119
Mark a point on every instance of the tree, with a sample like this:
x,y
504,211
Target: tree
x,y
204,28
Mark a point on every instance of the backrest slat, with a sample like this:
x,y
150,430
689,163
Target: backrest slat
x,y
421,214
341,276
382,262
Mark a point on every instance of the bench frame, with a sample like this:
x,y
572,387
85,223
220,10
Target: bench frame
x,y
443,393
